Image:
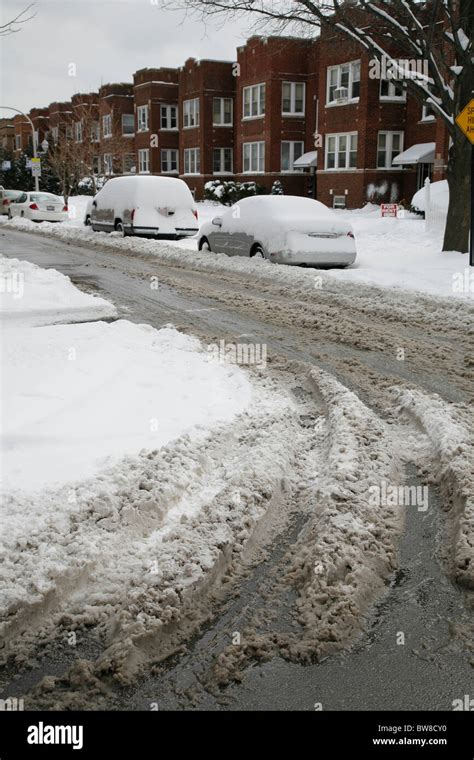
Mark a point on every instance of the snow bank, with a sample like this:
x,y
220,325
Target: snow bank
x,y
391,253
451,431
81,396
34,296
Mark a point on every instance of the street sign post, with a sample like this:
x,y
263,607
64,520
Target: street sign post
x,y
465,121
36,167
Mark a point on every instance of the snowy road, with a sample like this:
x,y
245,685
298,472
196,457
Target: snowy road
x,y
305,581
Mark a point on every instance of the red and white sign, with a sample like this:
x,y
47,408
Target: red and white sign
x,y
389,209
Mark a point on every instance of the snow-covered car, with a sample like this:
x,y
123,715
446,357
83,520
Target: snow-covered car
x,y
39,207
284,229
439,197
6,197
160,207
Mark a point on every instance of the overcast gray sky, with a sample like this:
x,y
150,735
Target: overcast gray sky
x,y
107,40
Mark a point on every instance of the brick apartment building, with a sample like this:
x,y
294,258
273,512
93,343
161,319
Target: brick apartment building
x,y
7,135
206,106
273,104
305,112
156,102
117,128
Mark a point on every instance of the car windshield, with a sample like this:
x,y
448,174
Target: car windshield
x,y
45,197
13,193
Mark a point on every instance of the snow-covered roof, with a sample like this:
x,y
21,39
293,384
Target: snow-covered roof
x,y
420,153
306,160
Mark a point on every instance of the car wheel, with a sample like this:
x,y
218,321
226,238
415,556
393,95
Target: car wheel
x,y
120,228
22,213
88,221
204,244
10,216
257,252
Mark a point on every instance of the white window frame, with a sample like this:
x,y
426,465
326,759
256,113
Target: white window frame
x,y
55,134
108,164
17,142
292,144
96,160
247,148
142,118
168,152
337,136
260,112
192,161
78,131
293,111
107,125
222,122
389,146
339,68
222,169
336,204
191,113
124,133
144,161
68,132
392,96
167,110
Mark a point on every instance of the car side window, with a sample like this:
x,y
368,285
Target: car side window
x,y
21,198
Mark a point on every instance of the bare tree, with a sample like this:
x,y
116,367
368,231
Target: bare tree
x,y
439,33
16,24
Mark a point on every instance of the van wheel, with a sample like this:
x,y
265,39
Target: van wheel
x,y
22,214
88,222
257,252
119,227
10,216
204,244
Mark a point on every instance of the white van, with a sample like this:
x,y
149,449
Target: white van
x,y
160,207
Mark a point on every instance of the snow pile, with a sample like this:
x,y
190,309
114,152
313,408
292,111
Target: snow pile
x,y
81,396
451,431
439,196
34,296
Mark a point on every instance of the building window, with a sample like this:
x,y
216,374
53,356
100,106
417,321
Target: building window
x,y
96,164
128,163
55,134
107,125
108,163
169,161
222,112
341,151
69,133
222,161
17,142
339,201
191,113
192,160
292,98
428,113
254,101
142,118
78,131
169,117
95,131
128,124
290,151
254,157
144,161
392,90
389,145
343,82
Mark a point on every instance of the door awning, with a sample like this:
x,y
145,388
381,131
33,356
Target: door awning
x,y
306,160
421,153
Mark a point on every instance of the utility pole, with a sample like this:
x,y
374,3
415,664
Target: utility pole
x,y
35,147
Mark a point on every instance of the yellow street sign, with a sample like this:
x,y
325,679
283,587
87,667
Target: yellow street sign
x,y
465,120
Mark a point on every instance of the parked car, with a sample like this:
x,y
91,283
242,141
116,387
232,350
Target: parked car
x,y
284,229
6,197
160,207
39,207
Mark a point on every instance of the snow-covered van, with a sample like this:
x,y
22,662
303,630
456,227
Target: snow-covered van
x,y
160,207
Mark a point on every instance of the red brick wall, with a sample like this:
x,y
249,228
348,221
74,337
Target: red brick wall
x,y
155,87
